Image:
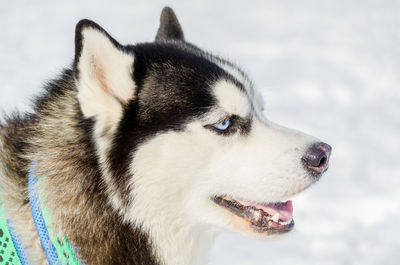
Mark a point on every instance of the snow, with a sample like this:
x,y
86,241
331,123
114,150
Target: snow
x,y
329,68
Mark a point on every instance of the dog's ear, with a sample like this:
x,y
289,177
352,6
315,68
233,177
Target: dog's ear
x,y
169,26
103,71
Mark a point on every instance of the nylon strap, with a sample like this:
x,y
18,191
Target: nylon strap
x,y
11,250
57,250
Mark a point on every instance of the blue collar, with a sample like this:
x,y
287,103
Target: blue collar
x,y
57,250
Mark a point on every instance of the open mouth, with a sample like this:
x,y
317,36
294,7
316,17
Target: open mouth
x,y
272,218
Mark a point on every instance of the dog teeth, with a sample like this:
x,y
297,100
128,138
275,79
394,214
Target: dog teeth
x,y
275,218
285,223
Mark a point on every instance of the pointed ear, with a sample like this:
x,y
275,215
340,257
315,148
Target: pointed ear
x,y
169,26
104,73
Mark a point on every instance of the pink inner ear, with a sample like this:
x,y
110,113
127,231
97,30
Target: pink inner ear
x,y
100,75
104,82
111,80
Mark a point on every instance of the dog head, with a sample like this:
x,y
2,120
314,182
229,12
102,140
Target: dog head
x,y
182,139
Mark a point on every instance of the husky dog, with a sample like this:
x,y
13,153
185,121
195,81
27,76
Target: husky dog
x,y
147,151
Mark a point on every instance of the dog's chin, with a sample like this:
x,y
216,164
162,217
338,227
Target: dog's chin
x,y
258,220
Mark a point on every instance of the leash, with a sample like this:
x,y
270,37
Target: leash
x,y
58,251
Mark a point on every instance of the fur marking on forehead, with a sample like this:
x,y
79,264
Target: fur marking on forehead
x,y
232,99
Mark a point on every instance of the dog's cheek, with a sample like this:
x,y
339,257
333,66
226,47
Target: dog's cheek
x,y
263,166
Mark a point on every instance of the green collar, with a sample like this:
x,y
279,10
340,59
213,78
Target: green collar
x,y
11,250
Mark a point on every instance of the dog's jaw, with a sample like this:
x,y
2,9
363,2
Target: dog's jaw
x,y
172,190
261,218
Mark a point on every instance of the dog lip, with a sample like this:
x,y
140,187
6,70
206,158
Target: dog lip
x,y
284,209
262,217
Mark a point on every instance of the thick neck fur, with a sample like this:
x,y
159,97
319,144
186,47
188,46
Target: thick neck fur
x,y
59,139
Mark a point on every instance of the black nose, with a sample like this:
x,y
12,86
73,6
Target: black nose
x,y
316,159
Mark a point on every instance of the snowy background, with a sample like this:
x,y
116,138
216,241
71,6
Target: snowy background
x,y
329,68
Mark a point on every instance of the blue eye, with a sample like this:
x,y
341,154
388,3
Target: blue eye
x,y
223,125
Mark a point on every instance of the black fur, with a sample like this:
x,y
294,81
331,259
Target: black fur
x,y
173,86
125,243
86,23
169,26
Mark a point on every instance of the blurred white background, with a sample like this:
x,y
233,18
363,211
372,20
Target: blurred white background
x,y
329,68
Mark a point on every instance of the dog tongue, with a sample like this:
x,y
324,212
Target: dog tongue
x,y
285,209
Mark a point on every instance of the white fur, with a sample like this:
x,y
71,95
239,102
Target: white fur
x,y
105,83
176,173
103,76
231,99
254,95
234,71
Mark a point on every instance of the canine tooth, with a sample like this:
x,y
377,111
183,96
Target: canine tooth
x,y
257,215
275,218
285,223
